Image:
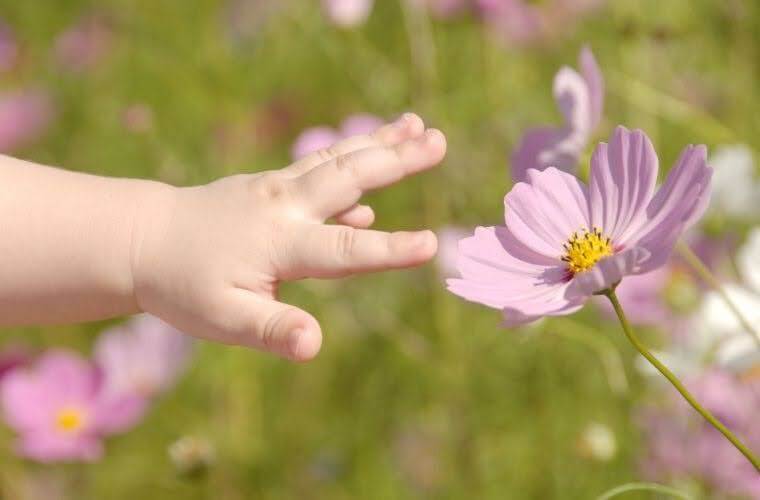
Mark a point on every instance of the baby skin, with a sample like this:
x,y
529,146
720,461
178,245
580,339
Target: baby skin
x,y
206,259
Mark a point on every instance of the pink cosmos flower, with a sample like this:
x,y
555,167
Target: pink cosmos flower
x,y
360,123
313,139
525,22
8,48
137,118
448,253
24,116
83,45
60,411
580,98
12,357
316,138
347,13
681,446
514,21
564,241
144,356
643,298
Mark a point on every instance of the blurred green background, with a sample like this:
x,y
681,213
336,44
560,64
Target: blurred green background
x,y
416,393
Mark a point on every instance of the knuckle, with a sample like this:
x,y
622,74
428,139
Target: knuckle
x,y
345,243
326,154
269,188
345,163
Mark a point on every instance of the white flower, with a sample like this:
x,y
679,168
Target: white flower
x,y
192,454
717,326
144,356
715,334
735,189
719,332
347,13
748,260
597,441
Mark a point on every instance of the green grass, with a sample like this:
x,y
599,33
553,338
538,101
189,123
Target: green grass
x,y
416,393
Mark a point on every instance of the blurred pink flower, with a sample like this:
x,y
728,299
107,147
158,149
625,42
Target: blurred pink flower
x,y
347,13
144,356
525,22
12,357
643,298
682,446
667,296
448,251
515,21
564,241
580,98
83,45
24,117
316,138
60,411
361,123
8,48
137,118
313,139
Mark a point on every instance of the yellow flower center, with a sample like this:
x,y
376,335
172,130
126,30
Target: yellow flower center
x,y
585,249
69,419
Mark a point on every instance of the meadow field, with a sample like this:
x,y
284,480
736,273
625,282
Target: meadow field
x,y
416,393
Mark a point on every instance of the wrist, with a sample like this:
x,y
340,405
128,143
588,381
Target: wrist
x,y
153,211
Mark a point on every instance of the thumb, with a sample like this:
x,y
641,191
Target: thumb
x,y
274,327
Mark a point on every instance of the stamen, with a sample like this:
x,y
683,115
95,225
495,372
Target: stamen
x,y
584,249
69,419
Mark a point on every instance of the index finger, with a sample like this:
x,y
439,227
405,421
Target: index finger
x,y
336,185
405,127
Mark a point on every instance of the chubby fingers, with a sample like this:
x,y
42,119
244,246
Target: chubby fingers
x,y
405,127
254,321
332,251
337,185
358,216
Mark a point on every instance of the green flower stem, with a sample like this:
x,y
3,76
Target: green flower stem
x,y
610,294
704,273
658,488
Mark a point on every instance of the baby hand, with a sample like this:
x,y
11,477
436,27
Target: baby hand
x,y
209,259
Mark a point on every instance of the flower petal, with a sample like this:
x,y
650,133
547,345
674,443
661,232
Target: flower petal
x,y
607,272
24,401
49,447
623,177
537,149
118,414
679,202
572,96
313,139
595,83
500,272
545,211
551,303
362,123
541,148
748,260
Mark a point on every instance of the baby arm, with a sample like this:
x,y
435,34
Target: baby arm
x,y
207,259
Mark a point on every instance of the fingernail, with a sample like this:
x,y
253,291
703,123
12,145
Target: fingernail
x,y
430,135
402,120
